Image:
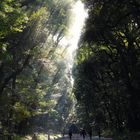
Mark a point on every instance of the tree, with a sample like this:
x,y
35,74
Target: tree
x,y
29,38
107,71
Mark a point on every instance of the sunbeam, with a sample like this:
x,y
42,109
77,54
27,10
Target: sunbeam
x,y
77,19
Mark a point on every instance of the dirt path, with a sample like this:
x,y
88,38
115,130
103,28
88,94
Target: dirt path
x,y
77,137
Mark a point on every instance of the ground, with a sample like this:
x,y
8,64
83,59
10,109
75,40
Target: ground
x,y
58,137
77,137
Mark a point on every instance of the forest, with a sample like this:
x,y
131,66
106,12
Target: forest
x,y
36,89
107,78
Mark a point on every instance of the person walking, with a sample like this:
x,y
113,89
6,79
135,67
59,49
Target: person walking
x,y
83,133
34,137
90,133
70,134
80,131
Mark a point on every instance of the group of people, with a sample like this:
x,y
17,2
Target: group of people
x,y
83,133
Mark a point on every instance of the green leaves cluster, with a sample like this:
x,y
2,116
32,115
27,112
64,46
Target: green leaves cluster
x,y
12,18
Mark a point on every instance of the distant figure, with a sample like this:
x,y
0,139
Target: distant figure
x,y
34,137
90,133
99,134
80,131
83,133
63,132
70,134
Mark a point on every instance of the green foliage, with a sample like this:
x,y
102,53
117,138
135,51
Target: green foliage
x,y
106,72
31,72
13,138
12,18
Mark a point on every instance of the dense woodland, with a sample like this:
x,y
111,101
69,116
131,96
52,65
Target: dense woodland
x,y
35,91
107,70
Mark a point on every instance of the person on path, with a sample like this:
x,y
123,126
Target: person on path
x,y
70,134
90,133
83,133
99,131
34,137
80,131
99,134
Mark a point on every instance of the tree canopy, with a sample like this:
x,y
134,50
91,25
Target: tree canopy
x,y
106,73
33,83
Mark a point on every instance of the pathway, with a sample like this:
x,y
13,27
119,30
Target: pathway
x,y
77,137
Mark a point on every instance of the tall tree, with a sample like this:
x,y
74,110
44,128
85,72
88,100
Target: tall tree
x,y
110,63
